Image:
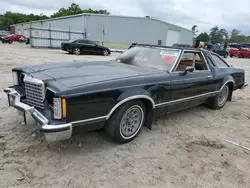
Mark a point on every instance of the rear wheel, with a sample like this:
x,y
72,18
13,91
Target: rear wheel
x,y
126,122
220,99
225,56
231,55
77,51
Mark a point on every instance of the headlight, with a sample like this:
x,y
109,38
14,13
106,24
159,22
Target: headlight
x,y
60,110
57,108
15,77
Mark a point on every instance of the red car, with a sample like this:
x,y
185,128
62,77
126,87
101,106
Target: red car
x,y
233,52
244,53
13,37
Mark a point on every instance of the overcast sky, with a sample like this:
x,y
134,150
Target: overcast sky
x,y
204,13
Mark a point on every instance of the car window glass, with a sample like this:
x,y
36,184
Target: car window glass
x,y
81,41
210,61
193,59
90,42
154,58
220,63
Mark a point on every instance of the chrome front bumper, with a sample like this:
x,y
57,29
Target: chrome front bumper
x,y
32,117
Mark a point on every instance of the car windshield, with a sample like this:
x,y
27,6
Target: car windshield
x,y
150,57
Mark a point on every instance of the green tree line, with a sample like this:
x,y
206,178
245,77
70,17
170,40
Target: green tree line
x,y
220,35
10,18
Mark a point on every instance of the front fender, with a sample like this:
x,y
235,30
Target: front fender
x,y
137,94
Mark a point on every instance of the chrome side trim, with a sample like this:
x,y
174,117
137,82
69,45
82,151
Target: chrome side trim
x,y
227,83
149,98
194,97
188,98
89,120
129,99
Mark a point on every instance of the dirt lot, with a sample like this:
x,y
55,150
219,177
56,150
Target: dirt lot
x,y
185,149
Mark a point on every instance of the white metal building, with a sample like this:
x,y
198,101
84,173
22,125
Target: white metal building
x,y
110,29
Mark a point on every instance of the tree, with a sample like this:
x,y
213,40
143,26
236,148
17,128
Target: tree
x,y
75,9
194,30
203,37
235,32
236,37
10,18
224,33
218,35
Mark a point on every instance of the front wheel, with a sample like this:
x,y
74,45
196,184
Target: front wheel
x,y
126,122
225,56
220,99
105,53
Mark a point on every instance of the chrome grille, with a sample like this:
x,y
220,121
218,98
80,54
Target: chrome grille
x,y
34,90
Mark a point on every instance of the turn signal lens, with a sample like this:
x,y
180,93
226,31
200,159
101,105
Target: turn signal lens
x,y
64,108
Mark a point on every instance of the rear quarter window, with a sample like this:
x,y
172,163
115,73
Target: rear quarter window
x,y
219,62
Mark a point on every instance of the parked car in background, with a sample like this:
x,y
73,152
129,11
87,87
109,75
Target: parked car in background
x,y
244,53
237,46
233,52
1,36
220,50
124,94
82,46
245,45
182,45
13,37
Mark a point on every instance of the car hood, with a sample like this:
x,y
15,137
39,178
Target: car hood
x,y
74,74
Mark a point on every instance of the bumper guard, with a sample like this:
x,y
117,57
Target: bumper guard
x,y
32,116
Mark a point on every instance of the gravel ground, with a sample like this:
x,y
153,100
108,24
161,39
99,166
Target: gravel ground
x,y
184,149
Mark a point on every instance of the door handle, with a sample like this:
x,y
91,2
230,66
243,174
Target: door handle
x,y
209,77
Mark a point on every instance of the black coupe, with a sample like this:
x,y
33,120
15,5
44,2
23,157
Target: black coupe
x,y
82,46
124,94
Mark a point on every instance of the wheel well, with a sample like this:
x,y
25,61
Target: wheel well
x,y
149,113
231,86
148,104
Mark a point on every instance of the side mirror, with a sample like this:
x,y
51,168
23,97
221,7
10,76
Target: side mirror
x,y
189,69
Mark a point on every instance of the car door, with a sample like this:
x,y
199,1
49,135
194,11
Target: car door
x,y
189,88
93,47
82,44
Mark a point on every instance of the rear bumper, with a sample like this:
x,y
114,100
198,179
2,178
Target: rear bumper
x,y
52,132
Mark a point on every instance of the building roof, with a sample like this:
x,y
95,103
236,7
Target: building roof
x,y
88,14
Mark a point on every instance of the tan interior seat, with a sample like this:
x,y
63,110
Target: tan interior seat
x,y
183,64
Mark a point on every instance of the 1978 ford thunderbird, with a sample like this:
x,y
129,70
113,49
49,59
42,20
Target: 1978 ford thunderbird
x,y
123,94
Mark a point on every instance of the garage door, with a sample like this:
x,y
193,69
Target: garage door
x,y
172,37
